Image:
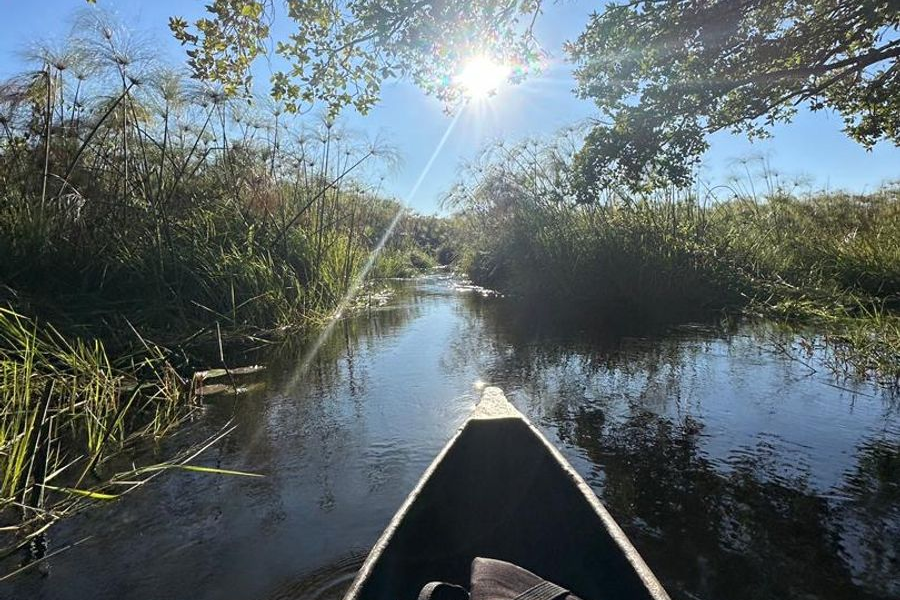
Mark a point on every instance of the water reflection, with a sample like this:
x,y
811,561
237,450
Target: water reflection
x,y
751,530
738,472
328,583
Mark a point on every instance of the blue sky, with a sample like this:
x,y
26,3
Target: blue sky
x,y
812,147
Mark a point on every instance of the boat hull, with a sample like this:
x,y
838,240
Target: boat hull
x,y
500,490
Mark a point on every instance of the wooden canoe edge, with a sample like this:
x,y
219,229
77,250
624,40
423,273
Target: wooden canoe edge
x,y
615,532
494,405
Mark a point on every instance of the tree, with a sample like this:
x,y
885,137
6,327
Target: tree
x,y
342,50
666,73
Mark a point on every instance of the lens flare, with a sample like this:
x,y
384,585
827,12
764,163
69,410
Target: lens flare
x,y
481,77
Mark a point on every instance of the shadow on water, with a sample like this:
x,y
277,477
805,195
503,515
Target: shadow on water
x,y
738,471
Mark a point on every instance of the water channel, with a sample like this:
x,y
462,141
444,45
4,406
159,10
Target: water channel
x,y
738,470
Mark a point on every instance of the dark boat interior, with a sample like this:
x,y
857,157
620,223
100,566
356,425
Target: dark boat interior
x,y
499,492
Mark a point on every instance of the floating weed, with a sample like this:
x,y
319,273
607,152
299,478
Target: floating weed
x,y
198,469
215,373
93,495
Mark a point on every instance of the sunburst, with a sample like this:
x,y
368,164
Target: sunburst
x,y
481,77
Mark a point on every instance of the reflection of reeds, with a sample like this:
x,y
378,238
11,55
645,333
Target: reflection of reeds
x,y
608,256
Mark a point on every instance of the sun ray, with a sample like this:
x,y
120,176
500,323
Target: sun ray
x,y
360,279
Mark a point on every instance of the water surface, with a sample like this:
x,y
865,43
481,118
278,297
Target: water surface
x,y
738,471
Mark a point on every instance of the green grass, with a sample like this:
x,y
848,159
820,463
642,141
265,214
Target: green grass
x,y
830,261
403,262
147,223
64,410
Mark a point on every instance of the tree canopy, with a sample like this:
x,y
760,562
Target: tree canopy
x,y
666,73
340,51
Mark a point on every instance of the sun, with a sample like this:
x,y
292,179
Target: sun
x,y
481,76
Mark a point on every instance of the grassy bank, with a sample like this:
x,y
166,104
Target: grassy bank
x,y
605,259
147,221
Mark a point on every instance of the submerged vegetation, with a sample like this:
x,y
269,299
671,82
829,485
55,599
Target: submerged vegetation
x,y
616,258
143,218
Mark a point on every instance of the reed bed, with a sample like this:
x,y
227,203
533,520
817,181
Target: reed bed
x,y
64,410
146,222
609,259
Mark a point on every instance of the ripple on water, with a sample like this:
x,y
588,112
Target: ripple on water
x,y
330,582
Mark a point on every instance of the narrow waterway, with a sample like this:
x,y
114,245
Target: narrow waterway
x,y
739,471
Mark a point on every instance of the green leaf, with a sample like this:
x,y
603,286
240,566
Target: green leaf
x,y
80,492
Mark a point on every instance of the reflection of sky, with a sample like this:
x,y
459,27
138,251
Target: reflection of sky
x,y
754,405
812,146
772,408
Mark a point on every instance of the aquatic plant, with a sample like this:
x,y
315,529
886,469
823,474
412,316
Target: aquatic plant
x,y
616,259
143,217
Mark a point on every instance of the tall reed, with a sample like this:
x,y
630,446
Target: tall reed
x,y
607,258
143,214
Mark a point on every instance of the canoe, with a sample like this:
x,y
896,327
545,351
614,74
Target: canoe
x,y
500,490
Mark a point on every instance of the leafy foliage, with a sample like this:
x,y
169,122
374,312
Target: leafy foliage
x,y
668,72
224,46
341,52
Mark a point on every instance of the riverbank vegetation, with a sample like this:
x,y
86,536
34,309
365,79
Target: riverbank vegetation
x,y
146,222
616,258
616,222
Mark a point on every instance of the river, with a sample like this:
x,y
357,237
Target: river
x,y
738,469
